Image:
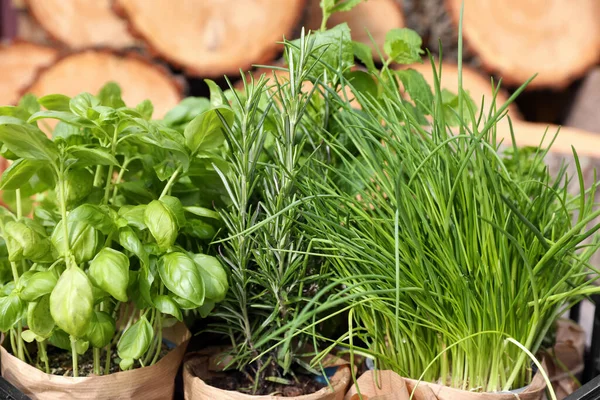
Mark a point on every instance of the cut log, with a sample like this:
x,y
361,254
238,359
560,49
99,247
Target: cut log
x,y
559,40
89,70
20,62
476,84
213,37
374,16
81,23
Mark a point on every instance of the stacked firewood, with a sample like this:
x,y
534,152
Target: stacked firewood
x,y
153,48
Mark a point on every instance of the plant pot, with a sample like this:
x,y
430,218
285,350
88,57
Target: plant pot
x,y
200,366
153,382
566,359
387,385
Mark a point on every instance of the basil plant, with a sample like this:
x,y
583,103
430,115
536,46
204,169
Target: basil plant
x,y
115,245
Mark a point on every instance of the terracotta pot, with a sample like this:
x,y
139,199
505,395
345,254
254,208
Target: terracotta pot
x,y
153,382
201,365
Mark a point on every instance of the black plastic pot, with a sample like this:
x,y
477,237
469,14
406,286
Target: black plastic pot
x,y
589,391
9,392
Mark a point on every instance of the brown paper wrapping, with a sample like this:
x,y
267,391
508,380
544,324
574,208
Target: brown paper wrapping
x,y
201,365
387,385
569,352
153,382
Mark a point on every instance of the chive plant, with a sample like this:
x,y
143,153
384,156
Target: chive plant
x,y
448,253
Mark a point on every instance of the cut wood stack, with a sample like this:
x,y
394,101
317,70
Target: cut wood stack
x,y
209,37
558,40
88,71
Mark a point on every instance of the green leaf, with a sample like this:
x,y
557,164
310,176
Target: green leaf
x,y
161,223
217,98
102,329
203,212
11,309
83,240
134,215
131,242
181,276
78,185
72,302
60,339
205,309
39,284
200,229
145,108
333,47
92,157
364,53
345,5
418,89
166,305
25,243
65,131
94,215
29,104
80,104
213,275
63,116
110,95
135,340
205,132
55,102
81,346
175,207
19,173
39,319
109,271
186,110
26,141
362,82
403,46
28,336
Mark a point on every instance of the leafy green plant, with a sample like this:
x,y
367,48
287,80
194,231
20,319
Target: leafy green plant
x,y
450,255
116,247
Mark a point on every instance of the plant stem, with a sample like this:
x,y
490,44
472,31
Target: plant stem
x,y
107,362
74,356
97,370
113,150
119,177
159,341
171,182
98,176
44,355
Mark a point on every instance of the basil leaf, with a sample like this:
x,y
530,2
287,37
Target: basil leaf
x,y
110,95
134,215
135,340
80,104
161,223
39,284
203,212
11,308
55,102
102,329
72,302
91,157
62,116
94,216
26,141
213,275
175,207
205,132
83,240
131,242
19,173
145,108
166,305
109,271
181,276
39,319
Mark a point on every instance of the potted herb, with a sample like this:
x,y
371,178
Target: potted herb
x,y
453,257
271,131
110,258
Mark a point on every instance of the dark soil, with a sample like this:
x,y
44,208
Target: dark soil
x,y
237,381
61,363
